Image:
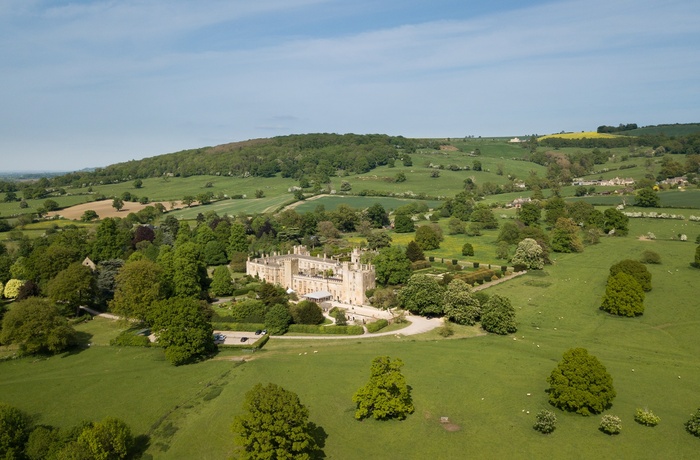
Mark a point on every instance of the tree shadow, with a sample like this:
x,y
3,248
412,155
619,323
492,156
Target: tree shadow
x,y
320,436
82,343
141,444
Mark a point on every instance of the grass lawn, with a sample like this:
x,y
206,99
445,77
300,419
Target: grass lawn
x,y
481,383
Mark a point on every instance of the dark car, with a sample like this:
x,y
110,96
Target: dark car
x,y
244,339
258,332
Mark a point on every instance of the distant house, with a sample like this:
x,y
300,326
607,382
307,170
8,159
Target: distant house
x,y
518,202
89,264
680,181
515,140
617,181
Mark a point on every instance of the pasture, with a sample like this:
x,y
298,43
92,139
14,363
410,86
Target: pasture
x,y
481,383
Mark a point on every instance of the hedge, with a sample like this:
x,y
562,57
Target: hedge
x,y
325,330
377,325
242,327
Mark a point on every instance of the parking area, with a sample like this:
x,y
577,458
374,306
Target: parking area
x,y
234,337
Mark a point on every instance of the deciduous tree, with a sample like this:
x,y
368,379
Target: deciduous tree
x,y
422,295
37,327
15,426
73,287
635,269
386,395
274,425
580,383
459,305
183,328
498,315
529,254
138,285
391,266
108,439
623,296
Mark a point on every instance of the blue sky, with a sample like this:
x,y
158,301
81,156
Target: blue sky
x,y
91,83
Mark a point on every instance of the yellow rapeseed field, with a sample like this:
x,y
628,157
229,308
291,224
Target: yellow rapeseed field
x,y
586,134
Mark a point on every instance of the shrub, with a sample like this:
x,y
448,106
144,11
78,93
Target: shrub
x,y
377,325
610,424
454,261
650,257
646,417
446,330
431,258
692,426
476,264
545,421
467,249
504,268
420,264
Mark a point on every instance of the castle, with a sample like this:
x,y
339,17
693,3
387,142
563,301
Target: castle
x,y
316,278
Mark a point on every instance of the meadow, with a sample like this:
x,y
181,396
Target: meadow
x,y
489,386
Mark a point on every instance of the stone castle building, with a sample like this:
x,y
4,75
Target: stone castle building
x,y
316,278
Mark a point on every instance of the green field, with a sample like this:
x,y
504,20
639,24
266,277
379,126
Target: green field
x,y
480,383
331,203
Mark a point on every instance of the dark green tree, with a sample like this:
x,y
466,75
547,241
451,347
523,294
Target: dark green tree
x,y
510,233
386,395
377,215
422,295
274,425
414,252
484,215
306,312
696,263
15,426
498,315
379,239
37,327
138,285
635,269
692,426
459,305
222,283
428,237
616,222
530,213
183,328
278,319
623,296
403,223
73,287
467,250
391,266
565,236
647,198
108,439
555,208
189,271
580,383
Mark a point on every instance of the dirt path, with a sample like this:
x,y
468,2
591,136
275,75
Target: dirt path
x,y
298,203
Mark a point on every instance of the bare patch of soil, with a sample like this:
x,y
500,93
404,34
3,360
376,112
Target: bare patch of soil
x,y
451,426
449,148
104,209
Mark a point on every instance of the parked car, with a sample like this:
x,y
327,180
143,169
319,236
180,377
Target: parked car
x,y
258,332
244,339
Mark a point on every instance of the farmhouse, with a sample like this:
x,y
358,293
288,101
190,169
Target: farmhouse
x,y
308,276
